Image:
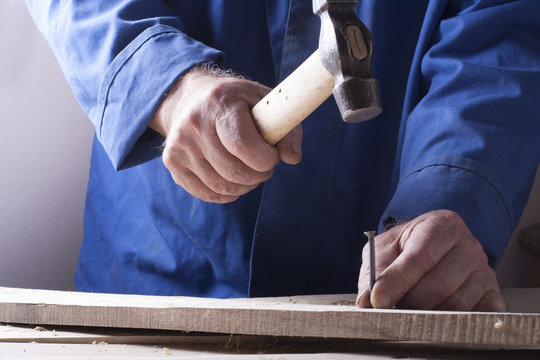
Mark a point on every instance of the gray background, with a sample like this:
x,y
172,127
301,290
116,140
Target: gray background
x,y
44,157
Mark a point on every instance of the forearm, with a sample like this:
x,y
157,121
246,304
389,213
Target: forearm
x,y
473,120
120,62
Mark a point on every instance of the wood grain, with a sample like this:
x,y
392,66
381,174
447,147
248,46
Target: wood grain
x,y
326,316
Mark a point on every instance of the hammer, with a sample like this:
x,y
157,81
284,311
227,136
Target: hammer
x,y
341,65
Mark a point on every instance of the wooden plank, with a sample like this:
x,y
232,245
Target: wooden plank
x,y
27,342
140,352
79,335
326,316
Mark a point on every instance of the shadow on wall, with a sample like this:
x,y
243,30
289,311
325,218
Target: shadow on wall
x,y
44,157
519,265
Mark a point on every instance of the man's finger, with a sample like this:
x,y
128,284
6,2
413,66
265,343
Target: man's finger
x,y
230,167
193,185
208,175
290,147
238,134
492,301
450,273
469,294
363,299
387,251
192,172
419,255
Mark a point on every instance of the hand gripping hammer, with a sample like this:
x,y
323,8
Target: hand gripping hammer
x,y
341,65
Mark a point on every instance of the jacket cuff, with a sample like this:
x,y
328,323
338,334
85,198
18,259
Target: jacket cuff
x,y
461,185
134,85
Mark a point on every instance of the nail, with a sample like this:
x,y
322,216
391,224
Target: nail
x,y
372,275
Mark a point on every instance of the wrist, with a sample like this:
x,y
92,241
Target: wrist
x,y
161,120
162,117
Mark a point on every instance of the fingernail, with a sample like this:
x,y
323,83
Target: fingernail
x,y
363,300
379,301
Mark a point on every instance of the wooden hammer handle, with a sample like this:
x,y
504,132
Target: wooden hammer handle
x,y
289,103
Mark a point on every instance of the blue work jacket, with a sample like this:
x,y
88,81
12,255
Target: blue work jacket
x,y
460,130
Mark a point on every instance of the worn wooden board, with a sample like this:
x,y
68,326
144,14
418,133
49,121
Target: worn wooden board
x,y
325,316
139,352
25,341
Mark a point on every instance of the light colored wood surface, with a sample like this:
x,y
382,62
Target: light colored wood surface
x,y
136,352
293,99
325,316
85,343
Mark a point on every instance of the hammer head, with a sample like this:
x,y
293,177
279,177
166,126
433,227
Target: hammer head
x,y
346,50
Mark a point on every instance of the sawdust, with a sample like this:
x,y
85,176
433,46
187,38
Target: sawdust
x,y
343,302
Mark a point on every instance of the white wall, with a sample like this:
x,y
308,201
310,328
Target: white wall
x,y
44,156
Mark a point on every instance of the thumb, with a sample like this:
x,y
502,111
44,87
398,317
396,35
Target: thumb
x,y
387,251
290,147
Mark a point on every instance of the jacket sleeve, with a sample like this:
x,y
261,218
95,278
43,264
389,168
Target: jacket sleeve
x,y
120,57
469,137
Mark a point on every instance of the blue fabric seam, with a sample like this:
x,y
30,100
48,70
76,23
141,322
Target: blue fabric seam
x,y
120,67
510,217
254,239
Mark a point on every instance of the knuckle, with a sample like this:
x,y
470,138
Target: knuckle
x,y
457,303
438,292
238,145
365,255
266,167
219,92
224,187
208,195
178,181
174,169
179,177
403,282
479,277
265,175
449,218
239,176
167,159
228,124
218,198
476,250
484,279
247,177
191,124
174,161
423,260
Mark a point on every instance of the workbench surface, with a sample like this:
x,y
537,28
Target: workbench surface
x,y
25,342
